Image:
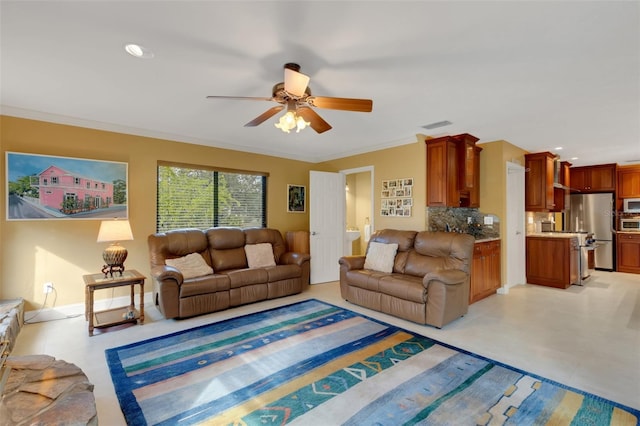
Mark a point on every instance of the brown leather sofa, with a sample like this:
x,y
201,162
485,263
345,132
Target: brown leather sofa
x,y
232,282
429,282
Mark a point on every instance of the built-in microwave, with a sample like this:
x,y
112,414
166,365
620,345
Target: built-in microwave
x,y
628,224
631,205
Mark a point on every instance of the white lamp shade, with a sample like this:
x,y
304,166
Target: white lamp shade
x,y
114,230
295,82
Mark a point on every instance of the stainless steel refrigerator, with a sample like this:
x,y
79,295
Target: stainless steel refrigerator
x,y
593,213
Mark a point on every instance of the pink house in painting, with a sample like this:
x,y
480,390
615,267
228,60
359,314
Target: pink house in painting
x,y
62,190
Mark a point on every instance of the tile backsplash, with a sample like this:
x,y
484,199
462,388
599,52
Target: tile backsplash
x,y
534,220
460,219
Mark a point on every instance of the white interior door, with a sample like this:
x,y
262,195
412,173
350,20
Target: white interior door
x,y
326,225
515,227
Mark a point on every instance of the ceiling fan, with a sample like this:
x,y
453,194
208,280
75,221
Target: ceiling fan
x,y
294,94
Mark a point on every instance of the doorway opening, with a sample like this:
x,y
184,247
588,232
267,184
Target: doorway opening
x,y
515,228
359,212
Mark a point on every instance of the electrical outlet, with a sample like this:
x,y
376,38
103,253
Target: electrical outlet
x,y
47,287
468,219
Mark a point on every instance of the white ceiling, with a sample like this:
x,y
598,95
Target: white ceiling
x,y
539,74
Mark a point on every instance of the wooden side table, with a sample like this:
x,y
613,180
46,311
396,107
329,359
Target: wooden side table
x,y
115,316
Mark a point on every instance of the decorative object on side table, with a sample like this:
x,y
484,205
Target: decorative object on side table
x,y
114,231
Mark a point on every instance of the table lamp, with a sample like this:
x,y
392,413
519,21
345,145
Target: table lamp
x,y
114,231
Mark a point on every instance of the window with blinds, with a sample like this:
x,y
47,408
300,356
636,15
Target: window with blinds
x,y
198,197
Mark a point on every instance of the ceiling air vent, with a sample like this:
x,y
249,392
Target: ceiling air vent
x,y
437,124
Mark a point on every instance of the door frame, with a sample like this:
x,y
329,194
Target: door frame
x,y
515,231
353,171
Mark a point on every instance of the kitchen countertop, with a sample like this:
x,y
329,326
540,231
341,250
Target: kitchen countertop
x,y
554,234
484,240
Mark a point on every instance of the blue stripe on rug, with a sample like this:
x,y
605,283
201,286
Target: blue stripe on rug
x,y
205,355
424,393
212,330
212,342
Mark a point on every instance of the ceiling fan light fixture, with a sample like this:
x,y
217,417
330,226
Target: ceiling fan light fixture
x,y
301,124
295,94
290,121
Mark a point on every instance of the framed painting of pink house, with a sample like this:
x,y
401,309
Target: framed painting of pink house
x,y
49,187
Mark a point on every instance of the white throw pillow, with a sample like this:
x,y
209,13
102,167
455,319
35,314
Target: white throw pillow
x,y
191,266
380,257
259,255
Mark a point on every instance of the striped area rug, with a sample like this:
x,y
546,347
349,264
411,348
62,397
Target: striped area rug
x,y
312,363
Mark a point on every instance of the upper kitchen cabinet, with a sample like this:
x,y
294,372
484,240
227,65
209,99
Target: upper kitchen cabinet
x,y
469,171
453,171
538,182
628,181
561,192
600,178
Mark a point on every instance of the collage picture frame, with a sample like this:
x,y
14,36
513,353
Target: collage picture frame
x,y
396,197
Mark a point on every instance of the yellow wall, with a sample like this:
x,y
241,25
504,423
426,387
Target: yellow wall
x,y
493,175
493,183
406,161
61,251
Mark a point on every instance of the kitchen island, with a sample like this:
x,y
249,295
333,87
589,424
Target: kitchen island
x,y
553,259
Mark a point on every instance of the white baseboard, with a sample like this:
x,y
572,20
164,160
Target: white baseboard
x,y
505,288
77,309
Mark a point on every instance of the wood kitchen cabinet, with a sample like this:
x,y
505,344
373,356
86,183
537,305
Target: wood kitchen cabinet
x,y
552,261
600,178
538,182
628,252
453,171
469,170
442,173
628,181
485,270
560,194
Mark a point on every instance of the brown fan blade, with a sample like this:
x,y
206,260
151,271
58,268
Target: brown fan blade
x,y
317,123
345,104
240,98
264,116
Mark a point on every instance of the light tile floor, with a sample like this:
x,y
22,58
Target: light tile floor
x,y
586,337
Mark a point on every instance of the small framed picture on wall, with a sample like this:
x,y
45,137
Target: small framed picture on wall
x,y
296,198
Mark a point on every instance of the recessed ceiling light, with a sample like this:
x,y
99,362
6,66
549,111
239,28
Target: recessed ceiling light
x,y
558,148
138,51
574,158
